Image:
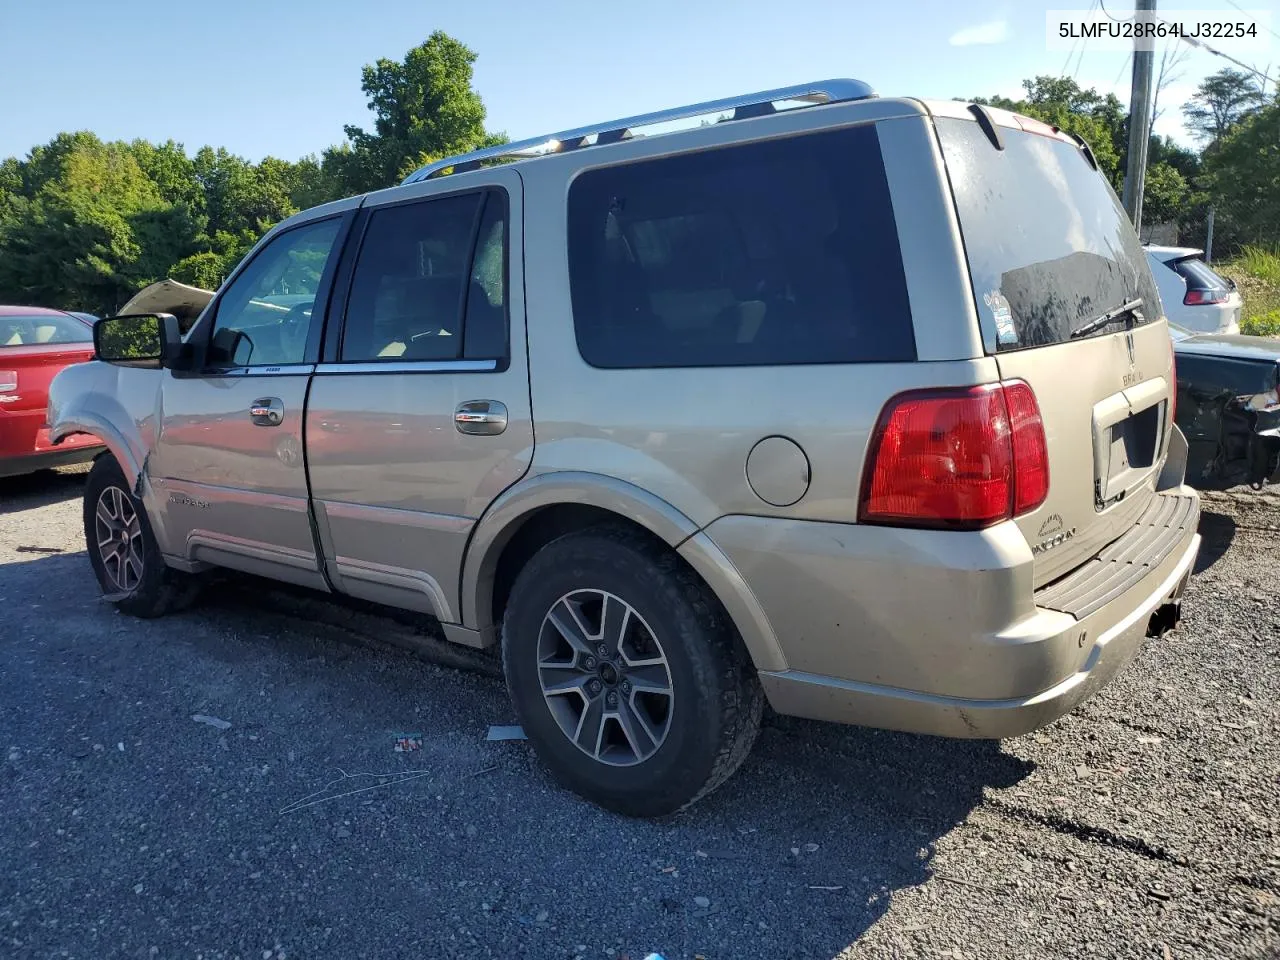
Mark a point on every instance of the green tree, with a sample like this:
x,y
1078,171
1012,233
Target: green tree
x,y
1164,194
1223,100
1243,178
423,105
206,270
172,171
80,240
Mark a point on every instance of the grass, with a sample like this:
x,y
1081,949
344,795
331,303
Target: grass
x,y
1256,272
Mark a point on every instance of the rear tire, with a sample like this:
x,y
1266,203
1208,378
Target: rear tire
x,y
626,673
122,549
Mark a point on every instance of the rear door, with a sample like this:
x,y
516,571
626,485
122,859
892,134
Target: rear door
x,y
421,415
1050,250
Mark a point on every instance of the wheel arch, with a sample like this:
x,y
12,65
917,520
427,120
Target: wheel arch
x,y
542,508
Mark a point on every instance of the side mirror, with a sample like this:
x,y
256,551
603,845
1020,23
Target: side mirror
x,y
148,340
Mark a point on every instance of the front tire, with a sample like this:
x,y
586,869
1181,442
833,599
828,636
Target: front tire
x,y
122,548
628,677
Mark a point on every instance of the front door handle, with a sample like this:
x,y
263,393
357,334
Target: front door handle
x,y
267,411
482,418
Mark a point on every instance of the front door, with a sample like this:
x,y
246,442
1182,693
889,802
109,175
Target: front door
x,y
228,468
423,416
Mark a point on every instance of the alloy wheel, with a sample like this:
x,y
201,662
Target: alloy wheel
x,y
605,677
119,533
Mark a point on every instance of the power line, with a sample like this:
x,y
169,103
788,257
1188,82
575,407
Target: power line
x,y
1072,52
1243,10
1123,67
1109,17
1226,56
1084,45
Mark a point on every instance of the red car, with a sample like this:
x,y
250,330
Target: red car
x,y
35,344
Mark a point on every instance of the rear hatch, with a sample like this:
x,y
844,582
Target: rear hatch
x,y
1051,254
1207,288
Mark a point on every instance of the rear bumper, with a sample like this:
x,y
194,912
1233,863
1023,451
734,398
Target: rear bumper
x,y
949,639
845,701
27,446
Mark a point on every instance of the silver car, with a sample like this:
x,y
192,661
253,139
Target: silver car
x,y
855,405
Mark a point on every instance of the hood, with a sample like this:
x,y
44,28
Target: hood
x,y
170,296
1236,346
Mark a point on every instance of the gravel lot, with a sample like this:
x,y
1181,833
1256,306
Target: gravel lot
x,y
1145,825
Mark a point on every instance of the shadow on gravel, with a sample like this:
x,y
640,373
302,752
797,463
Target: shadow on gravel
x,y
863,808
874,802
816,832
40,489
1218,531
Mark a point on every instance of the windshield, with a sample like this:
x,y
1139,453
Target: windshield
x,y
1179,333
43,330
1049,247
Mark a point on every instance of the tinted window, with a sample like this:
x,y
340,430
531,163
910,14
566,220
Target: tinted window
x,y
1048,244
417,273
1198,275
485,335
35,331
768,253
264,315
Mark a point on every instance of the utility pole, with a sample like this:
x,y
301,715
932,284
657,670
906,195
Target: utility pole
x,y
1208,238
1139,123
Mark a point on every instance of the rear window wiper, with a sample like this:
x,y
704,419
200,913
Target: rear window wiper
x,y
1108,318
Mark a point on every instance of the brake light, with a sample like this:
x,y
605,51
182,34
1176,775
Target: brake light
x,y
956,458
8,381
1200,298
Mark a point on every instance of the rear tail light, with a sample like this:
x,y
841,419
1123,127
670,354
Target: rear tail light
x,y
8,381
956,458
1200,298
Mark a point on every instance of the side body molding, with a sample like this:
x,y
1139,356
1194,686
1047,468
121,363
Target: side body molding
x,y
505,516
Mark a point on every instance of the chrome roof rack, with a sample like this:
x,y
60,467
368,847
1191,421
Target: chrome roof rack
x,y
744,106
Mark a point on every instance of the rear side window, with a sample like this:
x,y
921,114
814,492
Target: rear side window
x,y
1198,275
425,271
40,330
782,252
1049,246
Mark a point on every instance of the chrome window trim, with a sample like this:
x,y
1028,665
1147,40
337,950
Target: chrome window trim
x,y
276,370
411,366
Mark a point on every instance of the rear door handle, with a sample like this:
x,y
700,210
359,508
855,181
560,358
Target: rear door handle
x,y
482,418
267,411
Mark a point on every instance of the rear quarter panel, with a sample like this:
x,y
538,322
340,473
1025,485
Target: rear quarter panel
x,y
685,434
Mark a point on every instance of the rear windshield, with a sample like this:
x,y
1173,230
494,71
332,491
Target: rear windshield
x,y
1049,246
777,252
35,331
1198,275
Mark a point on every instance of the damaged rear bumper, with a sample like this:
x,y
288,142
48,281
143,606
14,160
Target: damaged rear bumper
x,y
1112,631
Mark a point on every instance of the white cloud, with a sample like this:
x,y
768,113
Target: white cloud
x,y
997,31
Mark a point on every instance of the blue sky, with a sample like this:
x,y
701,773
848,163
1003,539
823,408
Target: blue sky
x,y
281,78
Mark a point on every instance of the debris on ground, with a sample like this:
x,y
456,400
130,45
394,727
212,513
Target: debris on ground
x,y
211,721
408,742
497,732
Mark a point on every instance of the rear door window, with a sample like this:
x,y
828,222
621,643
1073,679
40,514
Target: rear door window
x,y
783,252
1048,244
424,267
